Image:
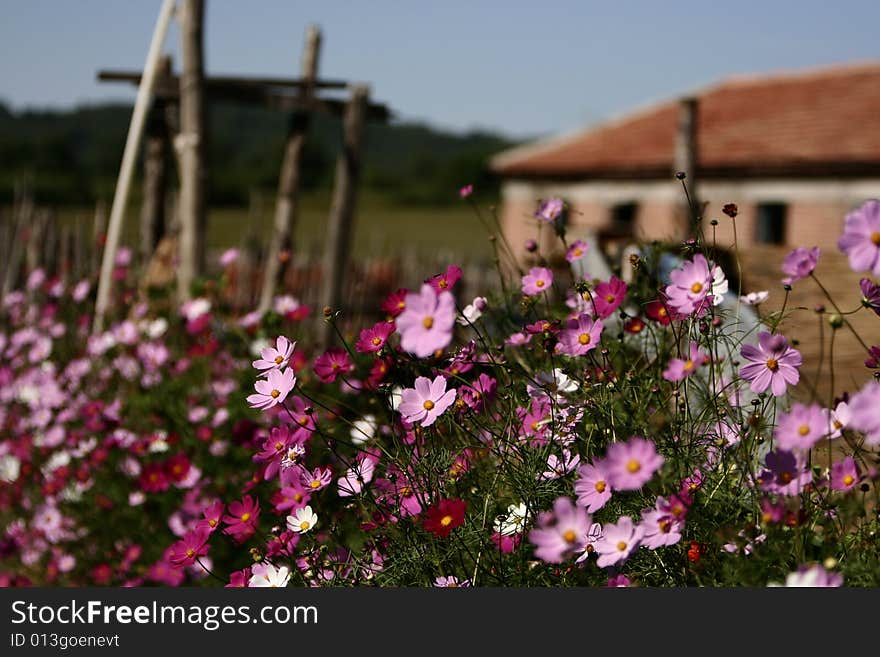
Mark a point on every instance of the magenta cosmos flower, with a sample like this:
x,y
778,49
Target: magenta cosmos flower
x,y
679,369
772,364
592,487
538,280
691,284
426,401
580,335
618,541
802,427
608,296
275,358
426,322
861,238
799,264
374,338
193,545
632,464
561,533
332,363
845,474
864,409
273,389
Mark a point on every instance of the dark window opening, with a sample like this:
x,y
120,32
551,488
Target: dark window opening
x,y
771,223
623,215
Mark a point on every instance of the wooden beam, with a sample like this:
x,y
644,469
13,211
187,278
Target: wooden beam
x,y
340,226
686,158
190,144
155,182
286,204
220,81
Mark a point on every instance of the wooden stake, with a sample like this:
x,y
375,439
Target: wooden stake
x,y
155,172
686,155
286,204
341,223
190,144
126,170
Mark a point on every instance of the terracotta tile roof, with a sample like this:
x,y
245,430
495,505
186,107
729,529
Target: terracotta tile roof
x,y
814,123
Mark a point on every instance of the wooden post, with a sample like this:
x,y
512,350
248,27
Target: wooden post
x,y
686,156
190,144
155,172
288,183
22,217
79,250
99,235
341,222
126,169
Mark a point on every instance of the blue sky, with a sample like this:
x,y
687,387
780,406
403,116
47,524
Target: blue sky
x,y
525,68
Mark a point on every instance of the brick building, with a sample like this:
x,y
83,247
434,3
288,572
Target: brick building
x,y
795,151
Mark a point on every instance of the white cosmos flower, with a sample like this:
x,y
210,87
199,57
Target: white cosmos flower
x,y
473,311
267,575
10,467
304,520
514,522
754,298
364,429
395,397
840,417
552,384
719,285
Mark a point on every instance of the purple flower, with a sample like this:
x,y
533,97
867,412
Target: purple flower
x,y
550,209
592,487
618,541
632,464
426,401
873,359
864,408
786,473
356,477
273,389
580,335
799,264
679,369
861,238
691,284
802,427
813,577
870,294
660,526
845,474
538,280
576,251
562,532
772,364
426,323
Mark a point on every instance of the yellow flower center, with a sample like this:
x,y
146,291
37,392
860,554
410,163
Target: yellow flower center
x,y
772,364
688,365
452,585
190,553
303,420
401,304
584,338
621,545
600,486
297,497
279,359
279,446
446,521
665,525
803,429
609,298
377,341
443,284
837,424
304,525
579,252
212,522
848,480
696,288
569,536
785,477
428,404
633,466
315,483
539,283
875,238
275,394
245,516
428,322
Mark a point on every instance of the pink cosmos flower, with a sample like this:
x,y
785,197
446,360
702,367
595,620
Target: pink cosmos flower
x,y
864,413
845,474
445,281
786,474
799,264
772,364
861,238
559,467
661,527
480,393
517,339
241,521
275,358
581,335
316,479
356,477
679,369
618,541
374,338
691,284
228,257
426,401
550,209
576,251
466,191
451,582
332,363
802,427
538,280
592,487
814,576
193,545
608,296
272,390
561,533
212,515
632,464
426,323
